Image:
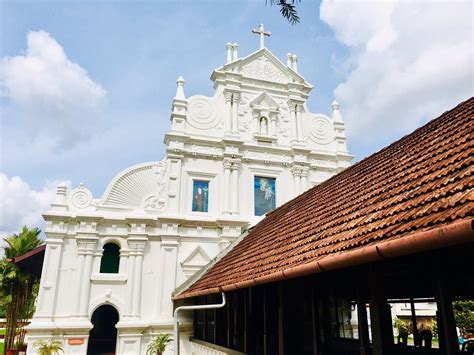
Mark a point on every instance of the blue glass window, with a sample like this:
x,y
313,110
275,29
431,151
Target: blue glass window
x,y
200,196
264,194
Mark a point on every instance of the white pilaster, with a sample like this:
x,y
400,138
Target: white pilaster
x,y
227,187
304,179
130,275
235,188
228,113
88,249
273,124
299,132
294,134
169,245
138,248
49,280
235,112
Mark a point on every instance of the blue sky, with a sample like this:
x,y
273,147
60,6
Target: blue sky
x,y
125,57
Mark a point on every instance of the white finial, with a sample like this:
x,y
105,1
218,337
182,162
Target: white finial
x,y
235,46
60,202
180,89
62,189
336,115
228,47
295,62
262,33
289,60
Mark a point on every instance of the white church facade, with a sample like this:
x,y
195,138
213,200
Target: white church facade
x,y
230,158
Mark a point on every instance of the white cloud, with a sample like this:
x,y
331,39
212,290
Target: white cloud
x,y
410,61
56,97
21,205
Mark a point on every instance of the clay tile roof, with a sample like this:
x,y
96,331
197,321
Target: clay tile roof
x,y
419,184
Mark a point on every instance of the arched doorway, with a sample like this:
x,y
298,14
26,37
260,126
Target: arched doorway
x,y
103,337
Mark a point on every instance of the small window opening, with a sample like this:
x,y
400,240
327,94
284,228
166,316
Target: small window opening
x,y
109,263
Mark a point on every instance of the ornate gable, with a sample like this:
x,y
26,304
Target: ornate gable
x,y
264,65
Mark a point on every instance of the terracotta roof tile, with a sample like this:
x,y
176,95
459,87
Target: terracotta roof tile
x,y
423,181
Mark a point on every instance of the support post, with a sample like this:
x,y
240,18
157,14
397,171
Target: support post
x,y
448,336
381,320
416,336
363,323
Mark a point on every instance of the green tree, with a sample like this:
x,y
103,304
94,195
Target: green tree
x,y
401,325
22,243
464,315
17,290
434,328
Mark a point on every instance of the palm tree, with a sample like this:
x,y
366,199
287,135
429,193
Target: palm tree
x,y
22,243
53,347
159,344
17,289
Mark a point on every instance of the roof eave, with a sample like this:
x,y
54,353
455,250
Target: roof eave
x,y
455,233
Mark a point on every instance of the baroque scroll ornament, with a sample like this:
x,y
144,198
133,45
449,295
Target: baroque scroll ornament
x,y
319,129
81,197
202,112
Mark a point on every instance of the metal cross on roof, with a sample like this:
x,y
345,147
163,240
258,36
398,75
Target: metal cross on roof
x,y
262,33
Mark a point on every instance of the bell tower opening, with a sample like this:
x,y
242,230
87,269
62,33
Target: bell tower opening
x,y
103,336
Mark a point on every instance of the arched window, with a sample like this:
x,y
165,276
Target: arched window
x,y
109,264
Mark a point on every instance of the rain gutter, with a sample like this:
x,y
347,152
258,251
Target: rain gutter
x,y
450,235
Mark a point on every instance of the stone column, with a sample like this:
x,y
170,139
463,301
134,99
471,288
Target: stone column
x,y
49,280
87,247
228,113
227,187
299,132
235,112
235,188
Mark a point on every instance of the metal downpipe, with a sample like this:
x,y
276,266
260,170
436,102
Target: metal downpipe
x,y
190,308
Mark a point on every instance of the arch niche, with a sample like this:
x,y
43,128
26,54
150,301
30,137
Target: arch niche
x,y
103,336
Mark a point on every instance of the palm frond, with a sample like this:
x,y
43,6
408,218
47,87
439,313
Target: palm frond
x,y
287,9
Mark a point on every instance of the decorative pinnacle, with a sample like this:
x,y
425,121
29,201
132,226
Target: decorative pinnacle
x,y
336,115
180,89
62,188
289,61
228,47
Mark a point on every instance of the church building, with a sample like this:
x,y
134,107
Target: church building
x,y
112,262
